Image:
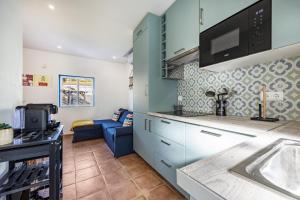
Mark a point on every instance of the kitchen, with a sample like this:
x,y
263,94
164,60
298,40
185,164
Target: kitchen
x,y
219,67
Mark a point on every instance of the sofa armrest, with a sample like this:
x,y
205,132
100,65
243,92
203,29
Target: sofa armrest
x,y
123,131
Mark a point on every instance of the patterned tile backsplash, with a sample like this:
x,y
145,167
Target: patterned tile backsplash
x,y
280,75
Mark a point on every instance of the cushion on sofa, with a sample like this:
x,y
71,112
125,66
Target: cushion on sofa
x,y
122,110
128,120
124,115
116,116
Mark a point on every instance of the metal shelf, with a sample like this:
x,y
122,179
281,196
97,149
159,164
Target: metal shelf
x,y
24,177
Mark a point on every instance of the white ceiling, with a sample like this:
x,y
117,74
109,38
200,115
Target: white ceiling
x,y
97,29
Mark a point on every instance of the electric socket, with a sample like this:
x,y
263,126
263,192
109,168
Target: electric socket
x,y
180,98
274,96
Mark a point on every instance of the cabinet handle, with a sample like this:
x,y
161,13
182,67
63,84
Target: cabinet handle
x,y
149,124
201,16
211,133
145,125
180,50
166,143
165,122
164,162
140,32
146,90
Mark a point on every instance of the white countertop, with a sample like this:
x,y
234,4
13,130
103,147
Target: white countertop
x,y
230,123
212,173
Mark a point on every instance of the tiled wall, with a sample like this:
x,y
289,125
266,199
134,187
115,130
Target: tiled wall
x,y
281,75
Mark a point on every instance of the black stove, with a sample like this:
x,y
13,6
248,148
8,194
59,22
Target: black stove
x,y
186,113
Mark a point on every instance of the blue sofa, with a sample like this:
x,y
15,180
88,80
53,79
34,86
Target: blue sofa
x,y
118,138
87,132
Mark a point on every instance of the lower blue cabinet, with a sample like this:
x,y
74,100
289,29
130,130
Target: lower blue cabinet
x,y
143,139
167,169
174,152
169,156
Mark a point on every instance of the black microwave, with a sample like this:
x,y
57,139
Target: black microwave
x,y
245,33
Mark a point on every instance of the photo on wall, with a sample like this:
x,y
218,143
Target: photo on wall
x,y
76,91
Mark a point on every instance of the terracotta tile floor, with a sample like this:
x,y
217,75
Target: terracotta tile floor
x,y
90,172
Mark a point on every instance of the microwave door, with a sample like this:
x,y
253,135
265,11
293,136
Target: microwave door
x,y
225,41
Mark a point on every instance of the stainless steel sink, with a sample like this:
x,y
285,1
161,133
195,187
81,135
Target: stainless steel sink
x,y
277,166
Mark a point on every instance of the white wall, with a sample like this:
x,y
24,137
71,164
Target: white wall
x,y
111,83
11,47
10,61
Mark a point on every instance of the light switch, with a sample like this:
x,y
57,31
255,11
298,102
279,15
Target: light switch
x,y
275,96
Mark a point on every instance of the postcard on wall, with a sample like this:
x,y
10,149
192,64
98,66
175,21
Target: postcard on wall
x,y
42,80
27,79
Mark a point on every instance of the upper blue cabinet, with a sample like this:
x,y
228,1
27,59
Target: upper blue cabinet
x,y
285,19
182,27
284,15
150,91
214,11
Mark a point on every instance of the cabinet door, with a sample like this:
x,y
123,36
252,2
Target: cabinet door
x,y
140,71
214,11
182,27
202,142
143,140
172,151
169,129
285,16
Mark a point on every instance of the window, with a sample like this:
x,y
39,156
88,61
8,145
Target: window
x,y
76,91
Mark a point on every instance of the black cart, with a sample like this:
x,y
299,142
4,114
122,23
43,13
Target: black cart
x,y
23,179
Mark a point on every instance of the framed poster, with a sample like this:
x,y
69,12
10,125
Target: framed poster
x,y
75,91
42,80
27,79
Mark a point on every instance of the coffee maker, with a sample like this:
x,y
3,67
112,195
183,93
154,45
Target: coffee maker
x,y
35,117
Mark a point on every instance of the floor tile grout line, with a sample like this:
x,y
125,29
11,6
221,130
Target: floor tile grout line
x,y
132,178
102,174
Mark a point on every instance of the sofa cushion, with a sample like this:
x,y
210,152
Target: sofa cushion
x,y
100,122
128,120
124,115
116,116
111,124
122,110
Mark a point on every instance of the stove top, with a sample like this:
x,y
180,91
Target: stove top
x,y
186,113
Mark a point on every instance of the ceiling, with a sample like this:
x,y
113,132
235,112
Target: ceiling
x,y
100,29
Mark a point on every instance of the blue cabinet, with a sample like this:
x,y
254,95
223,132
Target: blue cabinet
x,y
285,19
214,11
182,27
150,91
143,139
140,72
169,155
170,129
202,142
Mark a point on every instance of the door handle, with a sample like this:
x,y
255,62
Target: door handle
x,y
164,142
201,16
164,162
165,122
145,125
211,133
180,50
149,125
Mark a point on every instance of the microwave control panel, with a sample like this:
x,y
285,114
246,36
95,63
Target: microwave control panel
x,y
259,17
